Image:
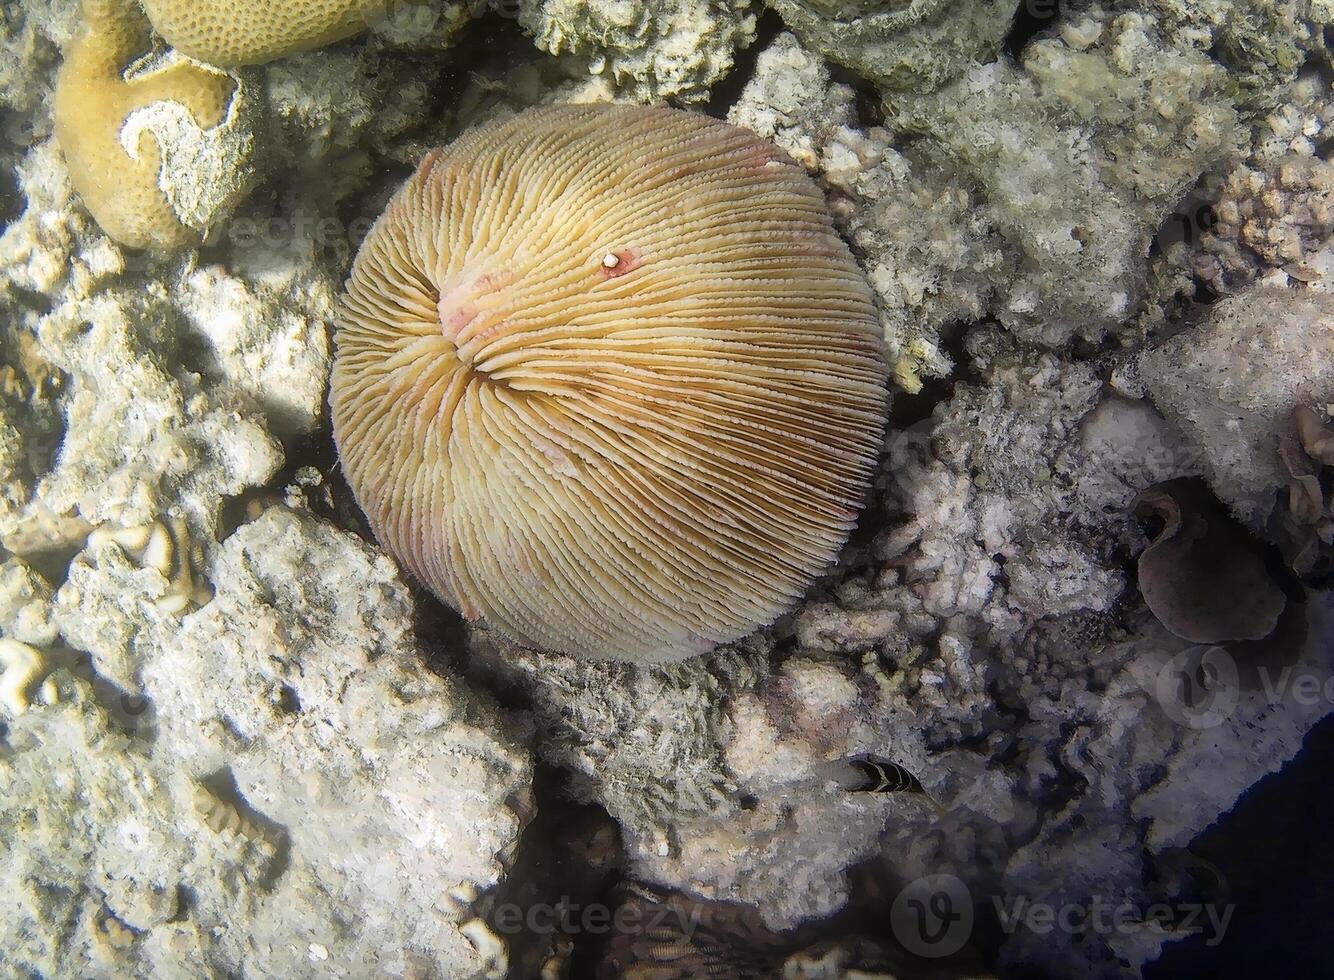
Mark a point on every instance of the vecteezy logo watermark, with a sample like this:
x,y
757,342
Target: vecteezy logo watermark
x,y
1114,918
593,918
933,916
1199,687
1302,687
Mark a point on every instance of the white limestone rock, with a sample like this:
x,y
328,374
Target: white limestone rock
x,y
1231,381
295,795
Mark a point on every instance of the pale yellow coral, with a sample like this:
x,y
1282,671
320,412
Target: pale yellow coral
x,y
222,816
251,32
168,549
115,172
22,668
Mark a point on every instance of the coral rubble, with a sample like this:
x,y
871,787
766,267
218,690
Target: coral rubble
x,y
664,49
272,786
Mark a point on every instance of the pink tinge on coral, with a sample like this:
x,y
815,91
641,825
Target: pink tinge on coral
x,y
460,305
618,263
454,319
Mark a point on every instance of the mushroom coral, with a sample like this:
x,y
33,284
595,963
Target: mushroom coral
x,y
607,378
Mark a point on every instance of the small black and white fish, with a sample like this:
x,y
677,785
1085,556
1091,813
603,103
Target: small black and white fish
x,y
871,774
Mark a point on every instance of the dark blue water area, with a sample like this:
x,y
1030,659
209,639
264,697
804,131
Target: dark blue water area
x,y
1276,851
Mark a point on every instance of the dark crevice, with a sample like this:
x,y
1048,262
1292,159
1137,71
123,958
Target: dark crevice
x,y
570,856
442,634
868,103
39,303
1204,293
1032,18
53,563
908,410
12,200
288,701
726,92
1192,218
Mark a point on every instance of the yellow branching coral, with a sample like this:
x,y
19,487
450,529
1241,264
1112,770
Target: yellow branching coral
x,y
251,32
608,379
111,129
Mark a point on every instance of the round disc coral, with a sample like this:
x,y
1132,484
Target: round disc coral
x,y
608,379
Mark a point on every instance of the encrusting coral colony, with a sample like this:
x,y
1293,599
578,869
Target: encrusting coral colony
x,y
112,130
448,467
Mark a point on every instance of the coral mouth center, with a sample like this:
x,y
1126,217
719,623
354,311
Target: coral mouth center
x,y
468,314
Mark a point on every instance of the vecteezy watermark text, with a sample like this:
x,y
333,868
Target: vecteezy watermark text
x,y
1201,686
593,918
934,916
1114,918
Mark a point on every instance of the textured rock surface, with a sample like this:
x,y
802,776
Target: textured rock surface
x,y
1231,381
1275,211
1150,773
135,393
903,44
952,205
279,787
665,49
928,248
1262,43
30,34
1128,123
689,759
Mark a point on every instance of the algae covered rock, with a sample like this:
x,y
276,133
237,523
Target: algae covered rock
x,y
1262,43
920,232
1078,156
665,49
901,44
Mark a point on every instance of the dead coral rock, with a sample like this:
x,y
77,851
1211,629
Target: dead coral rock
x,y
1204,575
827,627
1276,218
1230,383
